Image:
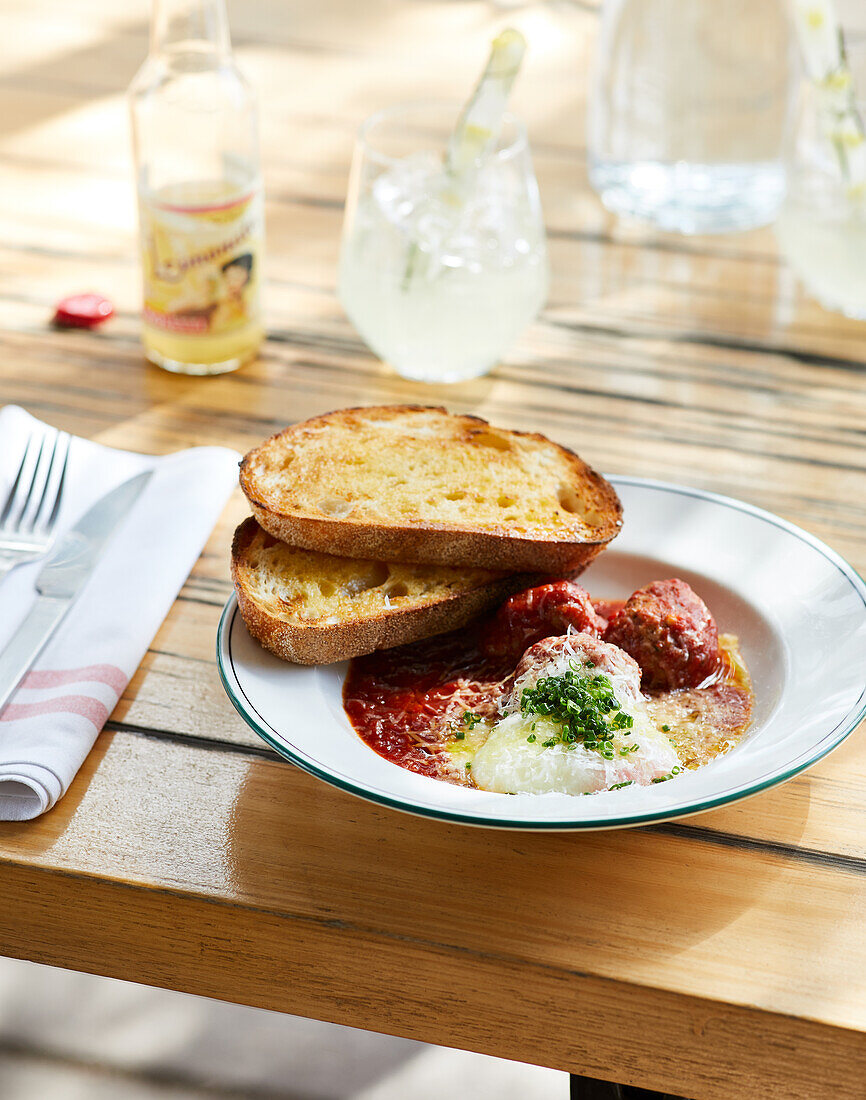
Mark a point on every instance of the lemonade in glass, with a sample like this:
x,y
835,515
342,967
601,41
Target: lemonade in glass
x,y
440,280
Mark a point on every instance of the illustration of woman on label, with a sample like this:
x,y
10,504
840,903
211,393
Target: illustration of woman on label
x,y
231,309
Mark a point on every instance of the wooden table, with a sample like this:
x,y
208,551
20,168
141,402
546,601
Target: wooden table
x,y
719,958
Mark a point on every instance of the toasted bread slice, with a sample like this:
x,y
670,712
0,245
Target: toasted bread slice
x,y
313,608
414,484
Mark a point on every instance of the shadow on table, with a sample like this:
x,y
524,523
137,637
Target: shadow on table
x,y
599,901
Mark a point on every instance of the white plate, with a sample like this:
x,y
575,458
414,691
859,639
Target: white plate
x,y
799,611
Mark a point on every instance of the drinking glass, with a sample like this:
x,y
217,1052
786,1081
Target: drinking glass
x,y
822,223
439,284
687,111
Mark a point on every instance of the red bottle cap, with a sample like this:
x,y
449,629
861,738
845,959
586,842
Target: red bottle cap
x,y
82,311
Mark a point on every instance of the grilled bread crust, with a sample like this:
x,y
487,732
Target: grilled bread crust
x,y
409,483
312,608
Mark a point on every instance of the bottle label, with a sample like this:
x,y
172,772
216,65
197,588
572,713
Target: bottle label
x,y
201,260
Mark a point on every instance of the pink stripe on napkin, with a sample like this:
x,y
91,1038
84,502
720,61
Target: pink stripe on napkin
x,y
83,705
111,675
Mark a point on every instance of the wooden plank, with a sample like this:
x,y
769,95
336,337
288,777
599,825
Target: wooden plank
x,y
663,943
609,281
816,479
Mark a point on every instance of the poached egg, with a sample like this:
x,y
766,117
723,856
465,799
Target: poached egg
x,y
514,758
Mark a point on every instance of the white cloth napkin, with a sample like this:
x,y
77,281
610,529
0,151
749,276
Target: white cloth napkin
x,y
52,720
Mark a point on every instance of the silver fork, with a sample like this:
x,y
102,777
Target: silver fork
x,y
30,513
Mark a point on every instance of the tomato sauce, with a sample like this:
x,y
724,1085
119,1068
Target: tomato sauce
x,y
409,704
608,609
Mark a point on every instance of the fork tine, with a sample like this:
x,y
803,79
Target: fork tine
x,y
32,489
44,500
58,495
14,524
7,507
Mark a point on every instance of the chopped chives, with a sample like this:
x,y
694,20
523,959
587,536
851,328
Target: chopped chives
x,y
583,707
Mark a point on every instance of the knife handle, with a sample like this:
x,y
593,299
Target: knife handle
x,y
27,643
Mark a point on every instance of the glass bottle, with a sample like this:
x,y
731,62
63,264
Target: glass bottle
x,y
688,109
195,136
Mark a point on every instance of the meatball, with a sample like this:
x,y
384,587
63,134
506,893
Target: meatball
x,y
542,612
671,634
525,753
555,656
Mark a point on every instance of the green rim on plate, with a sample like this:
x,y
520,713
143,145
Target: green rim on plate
x,y
805,759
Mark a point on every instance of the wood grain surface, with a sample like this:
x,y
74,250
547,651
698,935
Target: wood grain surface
x,y
720,958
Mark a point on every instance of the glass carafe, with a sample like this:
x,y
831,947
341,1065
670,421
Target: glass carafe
x,y
688,109
822,223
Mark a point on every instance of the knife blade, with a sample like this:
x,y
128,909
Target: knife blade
x,y
62,577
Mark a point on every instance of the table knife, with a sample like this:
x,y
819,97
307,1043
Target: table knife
x,y
62,577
